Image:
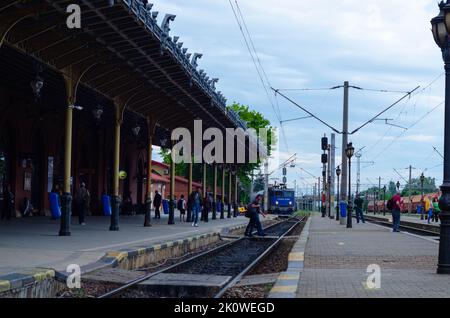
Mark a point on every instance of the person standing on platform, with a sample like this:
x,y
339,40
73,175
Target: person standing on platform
x,y
396,212
359,209
182,207
436,210
195,201
83,200
157,200
428,209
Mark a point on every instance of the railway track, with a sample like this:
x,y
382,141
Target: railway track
x,y
405,228
233,260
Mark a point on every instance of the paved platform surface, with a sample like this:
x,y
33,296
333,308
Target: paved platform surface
x,y
337,259
34,242
407,218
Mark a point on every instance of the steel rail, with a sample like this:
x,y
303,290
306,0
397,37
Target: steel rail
x,y
146,277
258,260
133,283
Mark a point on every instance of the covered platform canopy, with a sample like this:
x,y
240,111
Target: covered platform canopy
x,y
122,56
120,51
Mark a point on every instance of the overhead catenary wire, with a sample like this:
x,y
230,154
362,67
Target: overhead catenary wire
x,y
259,72
384,111
409,128
258,65
306,111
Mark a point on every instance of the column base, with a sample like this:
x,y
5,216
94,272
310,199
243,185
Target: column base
x,y
148,214
214,214
66,214
115,207
444,243
171,213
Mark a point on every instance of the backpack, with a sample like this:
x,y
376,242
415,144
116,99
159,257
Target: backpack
x,y
390,205
180,204
249,211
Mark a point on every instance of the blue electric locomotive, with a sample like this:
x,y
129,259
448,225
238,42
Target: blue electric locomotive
x,y
281,201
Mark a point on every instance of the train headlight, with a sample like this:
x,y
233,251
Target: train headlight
x,y
277,203
290,202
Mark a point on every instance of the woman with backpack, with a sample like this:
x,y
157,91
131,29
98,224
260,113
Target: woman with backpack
x,y
253,211
181,206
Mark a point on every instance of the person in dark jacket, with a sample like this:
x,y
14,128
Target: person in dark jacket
x,y
157,204
254,210
83,202
195,203
359,209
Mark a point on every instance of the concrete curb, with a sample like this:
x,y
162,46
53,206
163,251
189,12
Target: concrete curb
x,y
115,258
25,278
15,281
288,282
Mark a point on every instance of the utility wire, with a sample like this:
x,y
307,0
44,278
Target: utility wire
x,y
306,111
260,75
310,89
260,70
409,128
384,111
437,151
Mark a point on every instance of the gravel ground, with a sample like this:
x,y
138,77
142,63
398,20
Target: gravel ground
x,y
94,289
255,292
276,261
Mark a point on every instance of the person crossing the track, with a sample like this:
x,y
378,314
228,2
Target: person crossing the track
x,y
253,212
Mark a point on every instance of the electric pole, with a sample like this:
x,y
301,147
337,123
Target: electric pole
x,y
344,147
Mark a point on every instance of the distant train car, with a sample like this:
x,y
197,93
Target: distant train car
x,y
281,201
416,201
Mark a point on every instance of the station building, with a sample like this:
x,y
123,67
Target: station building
x,y
82,104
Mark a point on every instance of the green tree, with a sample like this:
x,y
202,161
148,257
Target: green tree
x,y
429,186
254,120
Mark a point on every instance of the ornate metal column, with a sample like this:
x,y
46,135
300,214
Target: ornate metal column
x,y
66,199
115,200
214,207
222,210
189,209
172,192
230,181
148,199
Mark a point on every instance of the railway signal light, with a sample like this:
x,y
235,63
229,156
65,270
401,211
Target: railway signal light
x,y
324,143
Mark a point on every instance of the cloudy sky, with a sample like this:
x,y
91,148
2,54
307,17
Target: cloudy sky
x,y
374,44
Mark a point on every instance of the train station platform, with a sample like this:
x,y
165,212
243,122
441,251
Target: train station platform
x,y
336,262
406,218
34,242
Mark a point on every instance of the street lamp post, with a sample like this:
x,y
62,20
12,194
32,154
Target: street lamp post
x,y
441,28
350,151
324,174
338,174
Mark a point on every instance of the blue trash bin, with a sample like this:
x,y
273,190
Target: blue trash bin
x,y
343,207
219,207
165,204
54,206
106,203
